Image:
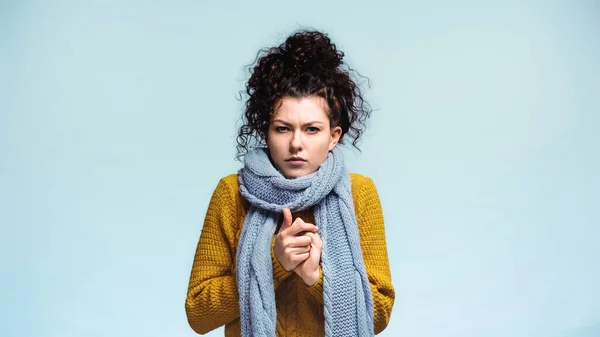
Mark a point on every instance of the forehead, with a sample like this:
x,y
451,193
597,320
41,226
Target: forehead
x,y
291,108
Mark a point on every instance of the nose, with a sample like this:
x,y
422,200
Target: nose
x,y
296,142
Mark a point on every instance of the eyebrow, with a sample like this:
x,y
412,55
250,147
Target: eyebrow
x,y
289,124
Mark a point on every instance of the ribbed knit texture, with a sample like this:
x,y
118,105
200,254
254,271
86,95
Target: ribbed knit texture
x,y
212,299
346,291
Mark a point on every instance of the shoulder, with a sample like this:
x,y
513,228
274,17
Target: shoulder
x,y
364,192
360,183
230,181
358,178
227,188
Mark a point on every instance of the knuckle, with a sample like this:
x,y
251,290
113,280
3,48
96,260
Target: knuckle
x,y
285,242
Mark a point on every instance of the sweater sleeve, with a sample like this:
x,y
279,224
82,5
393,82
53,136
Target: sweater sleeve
x,y
212,297
369,216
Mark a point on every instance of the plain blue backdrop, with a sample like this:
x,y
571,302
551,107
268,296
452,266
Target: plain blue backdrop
x,y
117,120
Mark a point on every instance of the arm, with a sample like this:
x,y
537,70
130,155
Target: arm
x,y
369,216
212,298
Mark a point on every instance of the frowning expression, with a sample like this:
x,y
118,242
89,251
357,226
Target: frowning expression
x,y
300,135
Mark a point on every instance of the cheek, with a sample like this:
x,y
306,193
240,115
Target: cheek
x,y
275,149
323,148
271,140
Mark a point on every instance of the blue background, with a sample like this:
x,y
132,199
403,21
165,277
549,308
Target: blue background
x,y
117,120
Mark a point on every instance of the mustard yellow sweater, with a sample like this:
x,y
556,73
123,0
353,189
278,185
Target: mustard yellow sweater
x,y
212,298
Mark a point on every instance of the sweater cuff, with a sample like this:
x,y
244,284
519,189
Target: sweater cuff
x,y
316,289
279,273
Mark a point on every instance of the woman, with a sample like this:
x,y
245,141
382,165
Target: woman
x,y
294,244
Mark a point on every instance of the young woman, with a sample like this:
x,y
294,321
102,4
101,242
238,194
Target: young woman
x,y
294,244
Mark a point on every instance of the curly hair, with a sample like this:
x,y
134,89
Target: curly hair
x,y
306,64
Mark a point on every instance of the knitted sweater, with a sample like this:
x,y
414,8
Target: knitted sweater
x,y
212,299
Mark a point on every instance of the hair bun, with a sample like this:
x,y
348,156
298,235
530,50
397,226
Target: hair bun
x,y
311,50
306,64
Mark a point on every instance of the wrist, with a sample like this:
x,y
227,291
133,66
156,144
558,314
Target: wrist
x,y
312,278
280,263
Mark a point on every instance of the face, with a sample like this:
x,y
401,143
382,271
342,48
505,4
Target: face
x,y
300,136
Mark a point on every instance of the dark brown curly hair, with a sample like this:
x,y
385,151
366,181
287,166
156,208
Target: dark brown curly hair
x,y
306,64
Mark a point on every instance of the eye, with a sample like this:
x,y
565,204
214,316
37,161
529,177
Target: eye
x,y
312,129
281,128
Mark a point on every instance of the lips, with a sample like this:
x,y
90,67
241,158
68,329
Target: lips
x,y
296,161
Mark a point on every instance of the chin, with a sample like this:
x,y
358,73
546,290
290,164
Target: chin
x,y
293,175
296,173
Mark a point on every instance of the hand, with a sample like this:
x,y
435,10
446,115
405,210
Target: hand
x,y
292,243
308,270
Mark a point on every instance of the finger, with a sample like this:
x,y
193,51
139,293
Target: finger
x,y
287,219
315,239
298,258
301,226
299,241
298,250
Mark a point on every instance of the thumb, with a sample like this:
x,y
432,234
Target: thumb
x,y
287,218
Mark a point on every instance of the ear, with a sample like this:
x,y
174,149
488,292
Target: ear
x,y
336,133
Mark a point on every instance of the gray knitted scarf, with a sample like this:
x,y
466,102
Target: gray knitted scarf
x,y
348,302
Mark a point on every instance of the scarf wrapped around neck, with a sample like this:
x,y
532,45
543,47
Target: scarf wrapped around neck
x,y
348,302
